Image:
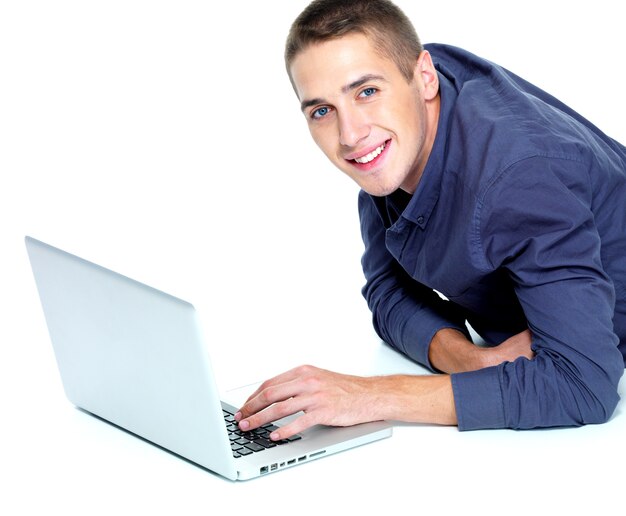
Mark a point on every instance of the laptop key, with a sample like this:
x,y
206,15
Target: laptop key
x,y
245,443
265,442
254,447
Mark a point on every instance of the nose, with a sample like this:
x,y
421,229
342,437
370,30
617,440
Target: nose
x,y
352,127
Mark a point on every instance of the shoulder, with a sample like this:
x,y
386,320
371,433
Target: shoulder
x,y
538,199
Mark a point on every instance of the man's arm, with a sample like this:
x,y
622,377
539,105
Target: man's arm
x,y
405,314
451,352
336,399
341,400
413,318
536,223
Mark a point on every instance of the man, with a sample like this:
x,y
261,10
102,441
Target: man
x,y
481,187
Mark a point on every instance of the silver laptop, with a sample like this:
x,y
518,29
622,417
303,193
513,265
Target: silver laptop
x,y
134,356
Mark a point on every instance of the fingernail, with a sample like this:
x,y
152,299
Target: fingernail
x,y
237,416
274,436
244,425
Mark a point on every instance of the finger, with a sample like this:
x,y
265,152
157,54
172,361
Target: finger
x,y
271,414
281,378
267,397
297,426
275,389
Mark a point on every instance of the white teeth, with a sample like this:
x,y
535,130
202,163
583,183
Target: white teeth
x,y
369,157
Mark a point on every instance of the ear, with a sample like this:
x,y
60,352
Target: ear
x,y
426,75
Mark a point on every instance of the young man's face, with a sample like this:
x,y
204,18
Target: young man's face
x,y
372,123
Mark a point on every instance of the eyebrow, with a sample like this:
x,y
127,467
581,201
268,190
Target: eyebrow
x,y
345,89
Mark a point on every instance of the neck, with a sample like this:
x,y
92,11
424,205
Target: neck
x,y
431,124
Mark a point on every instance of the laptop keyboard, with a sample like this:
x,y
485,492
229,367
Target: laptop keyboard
x,y
244,443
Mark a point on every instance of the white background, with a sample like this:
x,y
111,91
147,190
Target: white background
x,y
162,139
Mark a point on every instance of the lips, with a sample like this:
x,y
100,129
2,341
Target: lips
x,y
369,158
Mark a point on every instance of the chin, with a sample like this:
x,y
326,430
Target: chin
x,y
379,190
376,183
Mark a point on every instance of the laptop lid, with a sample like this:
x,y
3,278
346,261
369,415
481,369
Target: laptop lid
x,y
132,355
135,356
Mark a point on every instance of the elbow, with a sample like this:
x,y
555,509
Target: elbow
x,y
550,395
590,390
597,407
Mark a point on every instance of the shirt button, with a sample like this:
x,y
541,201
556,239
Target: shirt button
x,y
420,220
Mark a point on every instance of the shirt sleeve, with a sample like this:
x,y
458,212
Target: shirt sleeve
x,y
536,222
405,313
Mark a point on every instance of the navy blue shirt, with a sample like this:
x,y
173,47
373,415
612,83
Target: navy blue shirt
x,y
519,220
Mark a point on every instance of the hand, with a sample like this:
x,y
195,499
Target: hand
x,y
323,396
509,350
341,400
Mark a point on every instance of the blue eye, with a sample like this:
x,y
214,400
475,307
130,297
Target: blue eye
x,y
320,112
368,92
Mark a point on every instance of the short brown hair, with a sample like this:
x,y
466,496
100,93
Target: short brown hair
x,y
391,31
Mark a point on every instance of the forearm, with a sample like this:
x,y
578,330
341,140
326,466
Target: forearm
x,y
451,352
325,397
414,399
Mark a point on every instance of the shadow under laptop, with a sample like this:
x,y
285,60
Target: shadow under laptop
x,y
128,432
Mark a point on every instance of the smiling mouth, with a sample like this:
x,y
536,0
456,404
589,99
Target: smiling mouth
x,y
371,156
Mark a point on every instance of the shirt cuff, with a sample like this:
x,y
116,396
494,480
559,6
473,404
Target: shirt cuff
x,y
419,331
478,399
